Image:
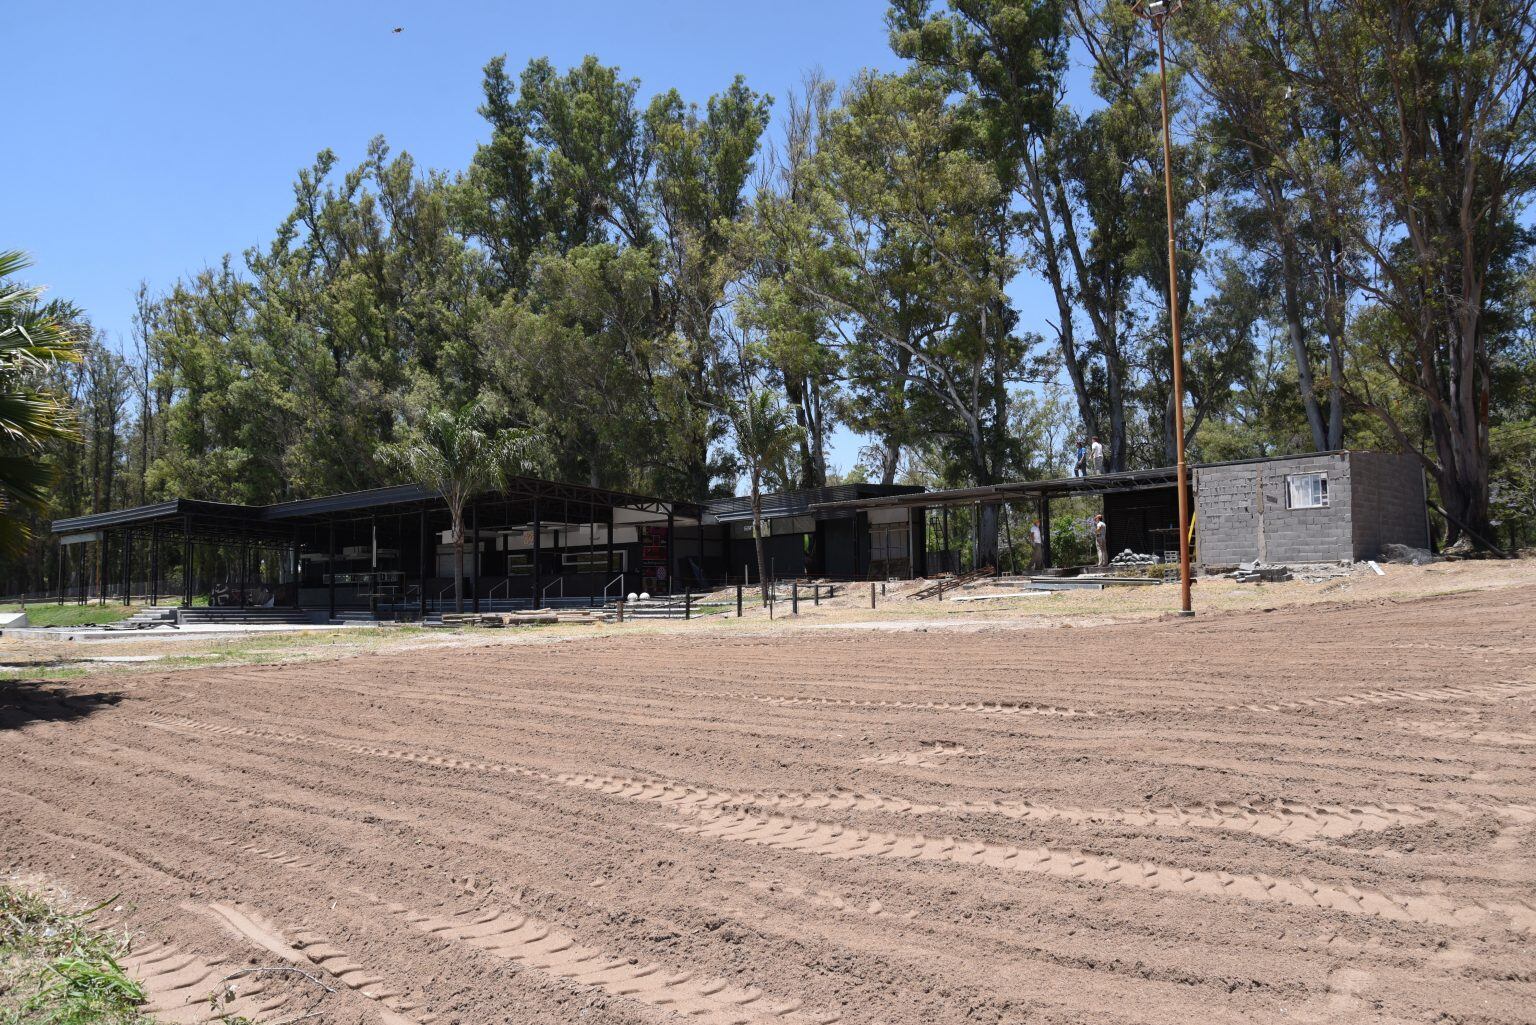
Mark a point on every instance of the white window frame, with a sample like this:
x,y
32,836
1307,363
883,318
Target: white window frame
x,y
1306,490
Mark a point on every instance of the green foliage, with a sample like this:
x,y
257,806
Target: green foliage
x,y
72,614
34,337
1072,541
56,970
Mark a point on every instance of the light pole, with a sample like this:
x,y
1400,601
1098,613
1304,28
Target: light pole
x,y
1157,12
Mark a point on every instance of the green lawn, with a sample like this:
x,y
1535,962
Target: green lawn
x,y
71,614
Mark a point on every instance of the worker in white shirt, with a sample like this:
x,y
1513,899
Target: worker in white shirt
x,y
1037,548
1101,538
1096,456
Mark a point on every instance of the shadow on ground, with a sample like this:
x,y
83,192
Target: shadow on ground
x,y
25,701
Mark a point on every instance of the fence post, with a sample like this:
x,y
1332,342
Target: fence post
x,y
816,595
621,610
941,590
882,588
738,600
871,594
688,604
794,597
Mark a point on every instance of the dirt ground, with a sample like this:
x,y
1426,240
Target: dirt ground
x,y
1311,803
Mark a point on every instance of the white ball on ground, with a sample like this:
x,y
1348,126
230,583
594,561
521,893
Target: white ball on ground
x,y
645,595
633,596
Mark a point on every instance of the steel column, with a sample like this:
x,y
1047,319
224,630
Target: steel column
x,y
330,570
186,562
538,530
474,555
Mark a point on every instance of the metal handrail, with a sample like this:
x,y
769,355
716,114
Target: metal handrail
x,y
544,593
616,580
444,591
507,583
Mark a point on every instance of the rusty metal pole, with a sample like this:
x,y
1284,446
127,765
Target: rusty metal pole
x,y
1158,17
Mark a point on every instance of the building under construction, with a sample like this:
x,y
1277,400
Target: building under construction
x,y
390,552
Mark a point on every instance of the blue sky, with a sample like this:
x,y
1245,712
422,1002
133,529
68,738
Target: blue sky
x,y
157,137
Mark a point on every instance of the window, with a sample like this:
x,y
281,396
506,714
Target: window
x,y
1306,491
594,562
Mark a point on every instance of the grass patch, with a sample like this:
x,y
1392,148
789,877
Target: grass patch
x,y
71,614
55,970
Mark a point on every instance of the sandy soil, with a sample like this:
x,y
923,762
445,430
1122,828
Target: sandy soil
x,y
1324,812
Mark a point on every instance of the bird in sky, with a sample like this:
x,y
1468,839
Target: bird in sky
x,y
399,29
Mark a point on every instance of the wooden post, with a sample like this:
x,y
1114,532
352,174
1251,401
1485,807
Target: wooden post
x,y
738,600
794,597
687,604
871,594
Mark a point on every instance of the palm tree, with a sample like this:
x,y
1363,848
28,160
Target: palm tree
x,y
32,336
766,437
454,456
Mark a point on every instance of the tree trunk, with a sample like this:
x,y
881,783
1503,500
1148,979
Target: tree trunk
x,y
986,537
458,558
757,534
1291,303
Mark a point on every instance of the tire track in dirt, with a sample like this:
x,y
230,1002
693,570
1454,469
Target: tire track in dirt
x,y
541,946
311,947
931,754
1278,819
968,707
837,840
1450,692
183,989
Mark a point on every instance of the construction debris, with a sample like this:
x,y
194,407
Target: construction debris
x,y
1130,558
1257,572
534,617
1407,555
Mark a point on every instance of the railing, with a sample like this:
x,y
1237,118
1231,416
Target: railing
x,y
544,593
507,583
616,580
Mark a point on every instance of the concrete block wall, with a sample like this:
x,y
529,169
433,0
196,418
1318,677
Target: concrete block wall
x,y
1388,502
1241,514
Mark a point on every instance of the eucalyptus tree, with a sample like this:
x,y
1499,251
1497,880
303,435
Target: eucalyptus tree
x,y
1435,169
900,254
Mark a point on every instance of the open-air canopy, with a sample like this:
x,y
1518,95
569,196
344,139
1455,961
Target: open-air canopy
x,y
388,549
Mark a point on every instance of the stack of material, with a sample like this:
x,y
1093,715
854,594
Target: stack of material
x,y
1130,558
534,617
1257,572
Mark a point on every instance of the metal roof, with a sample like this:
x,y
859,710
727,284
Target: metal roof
x,y
798,503
215,517
1015,491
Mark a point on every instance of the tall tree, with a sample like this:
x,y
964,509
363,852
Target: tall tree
x,y
33,336
1436,108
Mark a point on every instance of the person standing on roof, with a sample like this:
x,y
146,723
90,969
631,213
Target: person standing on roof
x,y
1096,456
1080,468
1101,538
